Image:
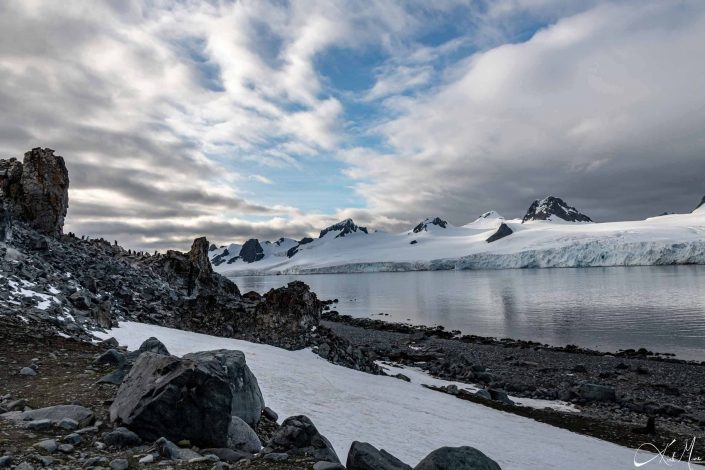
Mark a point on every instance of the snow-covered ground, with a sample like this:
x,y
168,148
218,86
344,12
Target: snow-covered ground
x,y
668,239
404,418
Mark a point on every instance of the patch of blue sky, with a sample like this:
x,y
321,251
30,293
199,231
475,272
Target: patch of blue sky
x,y
208,72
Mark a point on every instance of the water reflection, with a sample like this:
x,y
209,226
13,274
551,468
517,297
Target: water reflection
x,y
660,308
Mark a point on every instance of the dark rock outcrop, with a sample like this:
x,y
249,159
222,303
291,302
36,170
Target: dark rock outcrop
x,y
364,456
298,436
457,458
191,273
423,226
553,207
295,249
502,231
153,345
345,227
338,350
287,316
34,192
206,388
251,251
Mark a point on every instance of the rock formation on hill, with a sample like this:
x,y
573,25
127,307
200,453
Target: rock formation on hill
x,y
35,191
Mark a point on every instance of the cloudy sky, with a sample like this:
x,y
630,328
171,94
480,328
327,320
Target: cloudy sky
x,y
274,118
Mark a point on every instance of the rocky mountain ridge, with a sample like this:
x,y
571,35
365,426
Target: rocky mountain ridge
x,y
551,208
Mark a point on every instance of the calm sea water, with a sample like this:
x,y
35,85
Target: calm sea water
x,y
659,308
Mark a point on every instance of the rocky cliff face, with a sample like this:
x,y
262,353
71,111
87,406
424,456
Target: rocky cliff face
x,y
34,192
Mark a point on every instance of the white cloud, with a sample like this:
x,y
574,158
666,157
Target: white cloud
x,y
261,179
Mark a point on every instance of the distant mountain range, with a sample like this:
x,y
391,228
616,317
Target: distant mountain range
x,y
551,234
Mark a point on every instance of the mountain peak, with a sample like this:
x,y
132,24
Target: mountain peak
x,y
423,226
551,208
345,227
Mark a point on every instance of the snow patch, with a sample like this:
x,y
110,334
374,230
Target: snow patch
x,y
404,418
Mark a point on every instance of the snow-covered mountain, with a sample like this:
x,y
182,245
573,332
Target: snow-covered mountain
x,y
554,209
430,222
545,239
251,251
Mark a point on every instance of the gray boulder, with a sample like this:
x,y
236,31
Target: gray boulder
x,y
121,437
191,398
54,414
119,464
298,436
111,357
153,345
171,451
457,458
247,402
242,437
364,456
28,371
48,445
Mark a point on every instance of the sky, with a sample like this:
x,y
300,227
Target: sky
x,y
262,119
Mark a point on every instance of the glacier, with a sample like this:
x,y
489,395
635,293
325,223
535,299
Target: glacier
x,y
664,240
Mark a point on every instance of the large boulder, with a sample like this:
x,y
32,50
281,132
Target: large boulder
x,y
191,398
34,192
364,456
247,402
457,458
298,436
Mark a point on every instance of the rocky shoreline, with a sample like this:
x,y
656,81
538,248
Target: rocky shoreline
x,y
616,394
